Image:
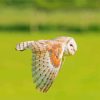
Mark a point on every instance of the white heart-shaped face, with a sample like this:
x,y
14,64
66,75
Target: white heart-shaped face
x,y
71,47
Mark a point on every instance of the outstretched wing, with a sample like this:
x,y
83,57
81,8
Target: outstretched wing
x,y
47,59
46,65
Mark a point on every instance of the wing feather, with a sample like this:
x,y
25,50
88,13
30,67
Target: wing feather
x,y
49,81
44,70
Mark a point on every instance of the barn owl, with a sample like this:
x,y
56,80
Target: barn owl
x,y
47,58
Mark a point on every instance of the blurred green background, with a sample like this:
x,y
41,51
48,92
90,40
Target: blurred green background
x,y
22,20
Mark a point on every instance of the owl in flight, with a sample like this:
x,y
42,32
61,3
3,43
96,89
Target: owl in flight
x,y
47,58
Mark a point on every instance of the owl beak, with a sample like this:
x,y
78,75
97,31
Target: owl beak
x,y
74,51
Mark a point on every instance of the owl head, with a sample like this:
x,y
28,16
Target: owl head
x,y
69,44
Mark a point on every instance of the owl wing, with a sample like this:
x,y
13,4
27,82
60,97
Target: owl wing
x,y
46,61
35,46
46,64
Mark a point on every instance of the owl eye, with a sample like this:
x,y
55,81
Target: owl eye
x,y
71,44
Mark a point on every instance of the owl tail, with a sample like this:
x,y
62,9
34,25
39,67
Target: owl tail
x,y
24,45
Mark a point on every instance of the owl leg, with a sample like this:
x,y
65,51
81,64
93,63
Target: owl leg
x,y
24,45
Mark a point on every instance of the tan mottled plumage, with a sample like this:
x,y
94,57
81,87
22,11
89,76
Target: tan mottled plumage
x,y
47,58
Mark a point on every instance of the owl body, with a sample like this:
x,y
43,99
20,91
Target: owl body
x,y
47,58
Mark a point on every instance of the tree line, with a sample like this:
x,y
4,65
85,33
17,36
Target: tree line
x,y
53,4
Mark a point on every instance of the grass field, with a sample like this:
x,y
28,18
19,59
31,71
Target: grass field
x,y
79,78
